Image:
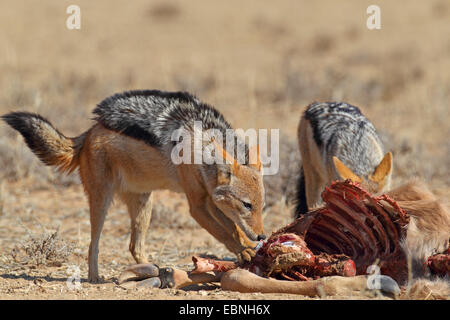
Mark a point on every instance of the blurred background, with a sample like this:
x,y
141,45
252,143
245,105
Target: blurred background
x,y
259,62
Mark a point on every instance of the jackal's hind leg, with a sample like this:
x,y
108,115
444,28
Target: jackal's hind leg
x,y
100,198
140,210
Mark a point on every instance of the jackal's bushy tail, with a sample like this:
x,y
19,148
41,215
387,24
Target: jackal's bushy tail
x,y
50,145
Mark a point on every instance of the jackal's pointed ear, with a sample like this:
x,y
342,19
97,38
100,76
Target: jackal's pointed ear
x,y
254,159
344,172
223,175
384,169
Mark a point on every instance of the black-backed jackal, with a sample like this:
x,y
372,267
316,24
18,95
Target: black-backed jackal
x,y
128,152
337,142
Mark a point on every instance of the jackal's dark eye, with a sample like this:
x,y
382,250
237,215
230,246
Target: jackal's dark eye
x,y
247,205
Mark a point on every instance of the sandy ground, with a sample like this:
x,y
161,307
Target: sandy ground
x,y
259,63
167,246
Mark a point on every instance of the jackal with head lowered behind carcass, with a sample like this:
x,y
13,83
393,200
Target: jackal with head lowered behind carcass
x,y
127,152
337,142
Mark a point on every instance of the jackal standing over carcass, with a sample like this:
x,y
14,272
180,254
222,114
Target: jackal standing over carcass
x,y
128,152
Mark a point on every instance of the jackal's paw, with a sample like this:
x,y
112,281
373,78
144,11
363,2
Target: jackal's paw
x,y
246,255
95,279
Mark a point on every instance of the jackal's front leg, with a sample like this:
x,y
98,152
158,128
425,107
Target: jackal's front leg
x,y
248,252
224,230
246,247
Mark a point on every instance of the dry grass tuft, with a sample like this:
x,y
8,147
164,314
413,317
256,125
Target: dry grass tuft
x,y
424,289
44,249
